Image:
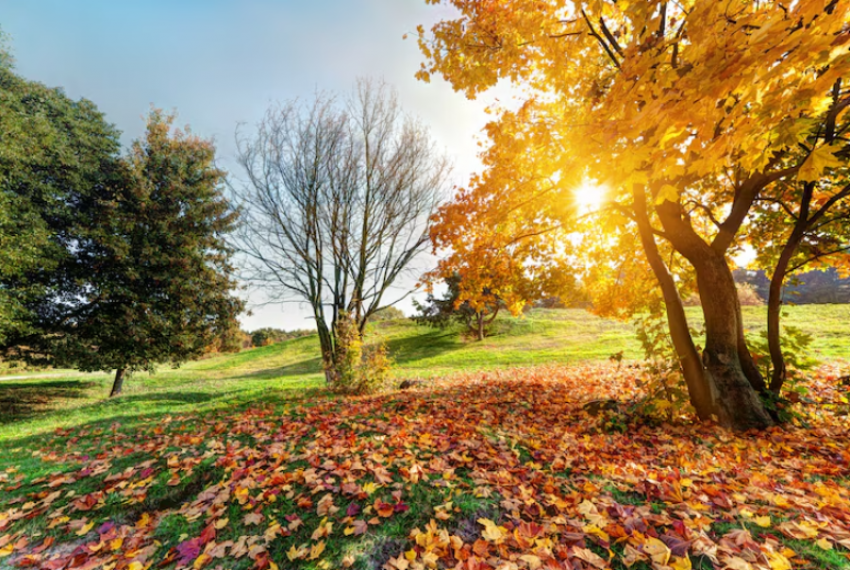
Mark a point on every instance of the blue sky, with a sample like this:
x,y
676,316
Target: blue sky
x,y
219,63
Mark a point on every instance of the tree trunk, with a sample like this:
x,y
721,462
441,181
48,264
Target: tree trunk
x,y
118,383
774,306
699,387
326,341
480,331
748,364
738,404
774,296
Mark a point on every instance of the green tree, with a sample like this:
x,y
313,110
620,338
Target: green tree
x,y
162,290
440,313
56,156
159,286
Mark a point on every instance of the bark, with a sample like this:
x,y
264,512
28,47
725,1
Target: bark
x,y
774,304
326,341
738,403
774,297
699,387
480,331
735,399
748,364
118,383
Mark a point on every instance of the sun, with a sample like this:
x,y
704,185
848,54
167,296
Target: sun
x,y
589,197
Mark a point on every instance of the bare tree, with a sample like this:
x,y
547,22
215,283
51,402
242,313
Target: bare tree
x,y
337,204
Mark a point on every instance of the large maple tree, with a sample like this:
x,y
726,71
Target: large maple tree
x,y
688,111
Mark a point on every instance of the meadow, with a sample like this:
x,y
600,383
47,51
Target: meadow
x,y
244,461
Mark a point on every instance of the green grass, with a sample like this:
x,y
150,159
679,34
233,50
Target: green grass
x,y
280,372
52,425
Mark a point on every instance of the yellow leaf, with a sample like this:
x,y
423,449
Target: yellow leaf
x,y
657,550
7,550
670,134
410,555
294,553
824,544
667,193
201,561
317,550
818,160
763,522
533,561
778,561
85,530
272,565
492,532
221,523
135,565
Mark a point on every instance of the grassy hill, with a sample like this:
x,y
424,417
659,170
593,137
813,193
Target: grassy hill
x,y
243,461
287,369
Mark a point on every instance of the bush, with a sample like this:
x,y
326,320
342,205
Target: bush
x,y
748,296
268,335
387,314
358,371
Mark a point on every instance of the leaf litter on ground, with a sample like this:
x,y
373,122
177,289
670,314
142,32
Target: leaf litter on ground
x,y
482,470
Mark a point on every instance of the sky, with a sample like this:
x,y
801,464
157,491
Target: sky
x,y
220,63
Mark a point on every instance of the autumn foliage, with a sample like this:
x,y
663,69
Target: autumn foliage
x,y
693,115
505,469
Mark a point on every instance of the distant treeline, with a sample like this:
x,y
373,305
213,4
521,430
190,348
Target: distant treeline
x,y
268,335
812,287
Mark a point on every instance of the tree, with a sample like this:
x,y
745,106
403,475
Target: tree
x,y
440,313
159,286
493,259
388,314
688,112
56,160
337,204
817,211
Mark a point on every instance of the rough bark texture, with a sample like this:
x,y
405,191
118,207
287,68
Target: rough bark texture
x,y
732,380
738,403
118,383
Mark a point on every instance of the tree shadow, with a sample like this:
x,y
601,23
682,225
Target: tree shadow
x,y
402,350
434,343
25,400
300,368
175,397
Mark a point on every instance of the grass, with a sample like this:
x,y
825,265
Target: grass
x,y
49,427
285,371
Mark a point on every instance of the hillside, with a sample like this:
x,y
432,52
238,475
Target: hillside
x,y
288,369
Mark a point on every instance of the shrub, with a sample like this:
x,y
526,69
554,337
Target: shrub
x,y
355,370
387,314
748,296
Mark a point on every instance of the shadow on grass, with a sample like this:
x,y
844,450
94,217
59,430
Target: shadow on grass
x,y
435,342
25,400
176,397
402,350
125,420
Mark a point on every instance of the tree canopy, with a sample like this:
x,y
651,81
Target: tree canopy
x,y
337,205
56,159
687,112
